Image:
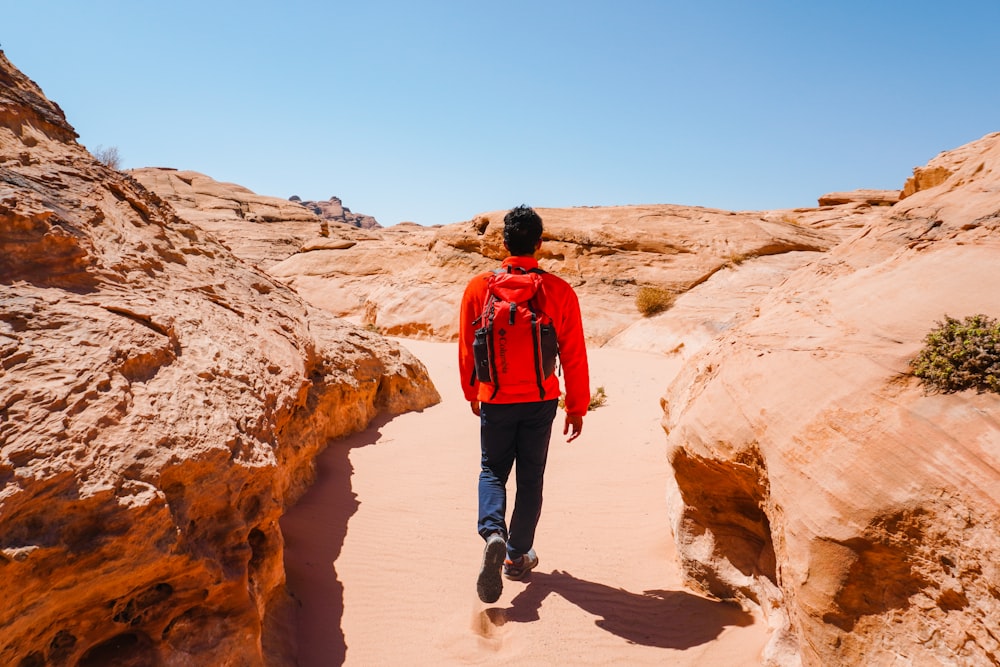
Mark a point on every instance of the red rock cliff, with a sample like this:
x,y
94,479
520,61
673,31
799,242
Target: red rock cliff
x,y
160,404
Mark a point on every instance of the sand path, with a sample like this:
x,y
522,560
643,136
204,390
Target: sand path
x,y
382,553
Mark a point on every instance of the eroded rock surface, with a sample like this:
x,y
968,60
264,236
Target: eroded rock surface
x,y
816,478
161,402
263,230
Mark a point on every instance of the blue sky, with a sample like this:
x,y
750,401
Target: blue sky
x,y
435,111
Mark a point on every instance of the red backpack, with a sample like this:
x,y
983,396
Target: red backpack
x,y
515,343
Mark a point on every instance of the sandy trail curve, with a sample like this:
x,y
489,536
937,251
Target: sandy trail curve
x,y
382,553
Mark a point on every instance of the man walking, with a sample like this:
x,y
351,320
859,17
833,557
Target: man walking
x,y
516,407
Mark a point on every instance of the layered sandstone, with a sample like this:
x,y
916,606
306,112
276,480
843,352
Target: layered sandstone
x,y
261,229
161,402
871,197
816,478
407,280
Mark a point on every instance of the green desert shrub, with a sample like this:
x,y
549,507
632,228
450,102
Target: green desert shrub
x,y
653,300
961,354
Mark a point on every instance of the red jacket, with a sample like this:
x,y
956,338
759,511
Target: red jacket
x,y
557,300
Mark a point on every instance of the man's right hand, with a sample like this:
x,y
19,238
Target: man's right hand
x,y
574,422
475,407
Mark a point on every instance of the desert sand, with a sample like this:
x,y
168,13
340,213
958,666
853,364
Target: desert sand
x,y
382,553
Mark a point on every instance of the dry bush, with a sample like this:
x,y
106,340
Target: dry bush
x,y
597,399
738,258
653,300
109,157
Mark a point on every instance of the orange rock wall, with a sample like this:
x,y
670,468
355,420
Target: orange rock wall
x,y
161,402
816,478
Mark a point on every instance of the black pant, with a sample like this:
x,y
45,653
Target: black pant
x,y
512,432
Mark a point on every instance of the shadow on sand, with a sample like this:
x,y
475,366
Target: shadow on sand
x,y
314,530
661,619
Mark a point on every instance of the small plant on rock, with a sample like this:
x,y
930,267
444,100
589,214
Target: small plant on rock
x,y
737,258
653,300
109,157
961,354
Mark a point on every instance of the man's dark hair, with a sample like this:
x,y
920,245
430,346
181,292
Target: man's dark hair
x,y
522,229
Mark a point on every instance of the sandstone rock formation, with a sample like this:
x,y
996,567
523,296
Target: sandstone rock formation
x,y
407,280
872,197
815,478
263,230
161,402
333,210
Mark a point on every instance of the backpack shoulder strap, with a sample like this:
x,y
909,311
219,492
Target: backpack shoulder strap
x,y
510,269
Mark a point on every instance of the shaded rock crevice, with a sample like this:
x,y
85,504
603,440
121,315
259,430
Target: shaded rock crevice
x,y
724,508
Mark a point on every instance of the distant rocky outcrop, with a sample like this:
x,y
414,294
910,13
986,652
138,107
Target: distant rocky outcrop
x,y
871,197
407,280
333,210
161,403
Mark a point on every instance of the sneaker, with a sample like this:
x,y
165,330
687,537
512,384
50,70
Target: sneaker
x,y
519,568
490,585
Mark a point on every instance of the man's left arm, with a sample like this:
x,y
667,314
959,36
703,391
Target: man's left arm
x,y
573,356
